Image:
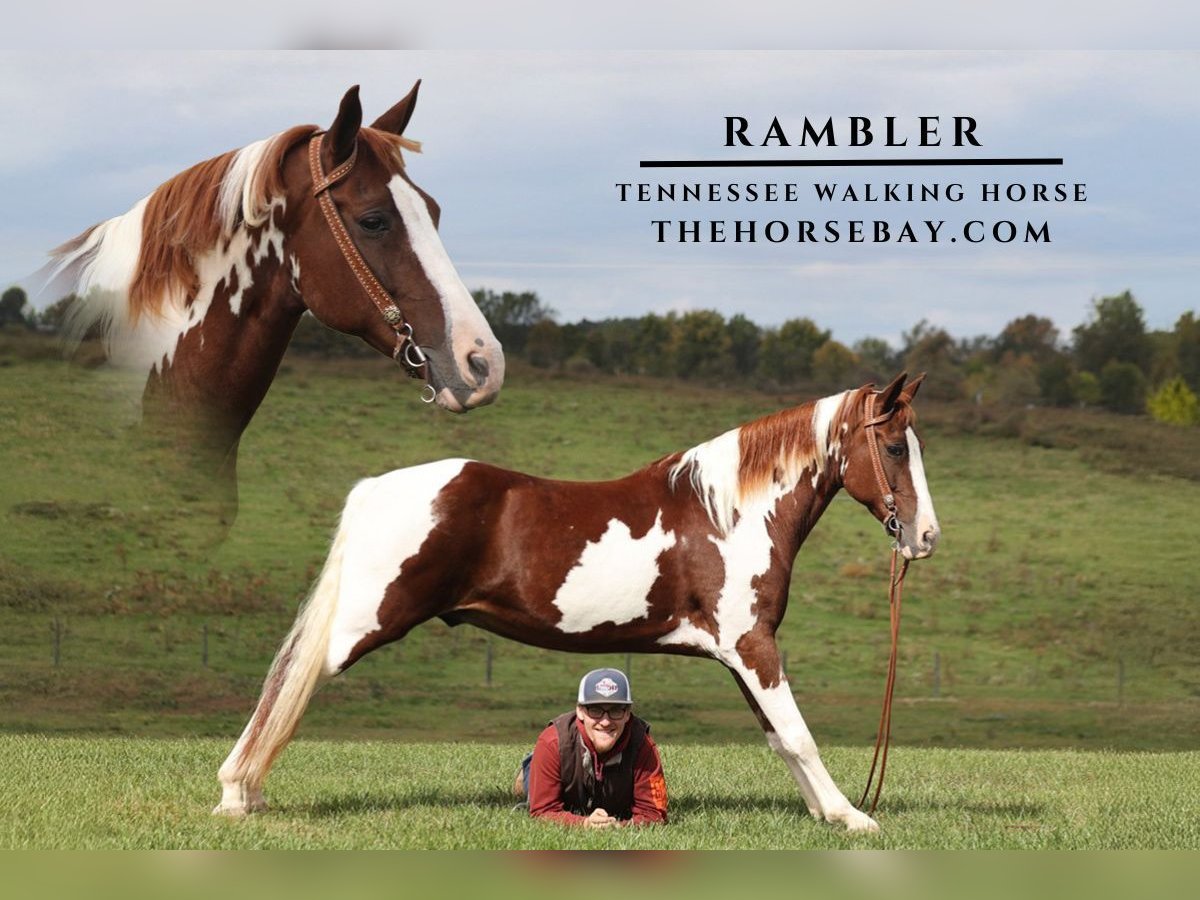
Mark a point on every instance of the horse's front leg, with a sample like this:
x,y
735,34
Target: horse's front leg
x,y
766,690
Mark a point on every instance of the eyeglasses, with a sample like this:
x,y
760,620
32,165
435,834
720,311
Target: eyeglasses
x,y
614,713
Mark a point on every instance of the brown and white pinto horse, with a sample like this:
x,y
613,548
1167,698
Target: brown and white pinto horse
x,y
691,555
202,283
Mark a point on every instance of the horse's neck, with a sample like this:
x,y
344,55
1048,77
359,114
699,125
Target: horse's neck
x,y
796,512
207,391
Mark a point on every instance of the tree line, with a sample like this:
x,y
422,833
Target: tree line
x,y
1111,360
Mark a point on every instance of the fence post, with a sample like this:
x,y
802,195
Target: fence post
x,y
487,665
56,628
628,664
937,674
1120,681
204,652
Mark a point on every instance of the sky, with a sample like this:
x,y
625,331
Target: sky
x,y
524,150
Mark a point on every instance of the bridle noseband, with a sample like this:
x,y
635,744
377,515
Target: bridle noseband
x,y
407,352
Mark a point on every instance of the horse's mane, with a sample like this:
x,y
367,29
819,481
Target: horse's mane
x,y
738,467
186,217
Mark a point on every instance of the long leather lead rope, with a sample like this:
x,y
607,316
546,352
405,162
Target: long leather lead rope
x,y
884,734
899,568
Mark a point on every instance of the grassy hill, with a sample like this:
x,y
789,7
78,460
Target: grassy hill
x,y
1059,611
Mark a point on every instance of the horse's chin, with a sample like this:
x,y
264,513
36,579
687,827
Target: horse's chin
x,y
447,401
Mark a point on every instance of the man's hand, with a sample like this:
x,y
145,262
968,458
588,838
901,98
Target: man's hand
x,y
599,819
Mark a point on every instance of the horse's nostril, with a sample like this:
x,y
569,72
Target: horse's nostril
x,y
928,538
478,365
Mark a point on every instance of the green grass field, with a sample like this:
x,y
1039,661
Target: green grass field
x,y
1059,612
136,793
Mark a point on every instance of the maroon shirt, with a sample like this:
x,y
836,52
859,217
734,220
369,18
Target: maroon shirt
x,y
545,780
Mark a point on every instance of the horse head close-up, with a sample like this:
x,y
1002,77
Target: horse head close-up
x,y
202,283
883,467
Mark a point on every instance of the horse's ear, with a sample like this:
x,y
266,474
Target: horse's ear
x,y
343,133
395,120
910,389
889,395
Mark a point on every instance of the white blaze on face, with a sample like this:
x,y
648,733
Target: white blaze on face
x,y
925,520
612,580
464,321
385,522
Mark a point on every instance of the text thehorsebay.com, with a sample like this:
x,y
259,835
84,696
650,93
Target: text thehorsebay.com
x,y
830,210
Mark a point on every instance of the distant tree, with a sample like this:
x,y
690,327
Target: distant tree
x,y
832,364
54,317
1115,330
651,343
1016,383
1187,349
878,359
1122,387
933,351
620,335
1031,336
545,345
744,340
512,315
1085,387
1174,403
12,308
786,353
595,349
700,345
1054,380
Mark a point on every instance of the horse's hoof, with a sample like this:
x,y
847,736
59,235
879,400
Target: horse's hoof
x,y
856,821
237,803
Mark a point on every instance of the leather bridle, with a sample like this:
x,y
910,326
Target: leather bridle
x,y
406,352
899,569
891,524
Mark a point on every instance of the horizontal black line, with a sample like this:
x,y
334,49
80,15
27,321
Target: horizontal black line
x,y
830,163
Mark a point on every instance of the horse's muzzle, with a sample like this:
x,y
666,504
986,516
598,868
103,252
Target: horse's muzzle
x,y
474,381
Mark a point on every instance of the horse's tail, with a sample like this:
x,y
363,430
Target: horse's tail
x,y
294,675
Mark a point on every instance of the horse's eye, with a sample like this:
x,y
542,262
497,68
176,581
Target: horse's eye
x,y
896,449
373,224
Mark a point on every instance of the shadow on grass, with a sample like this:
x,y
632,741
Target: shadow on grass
x,y
383,801
998,808
681,807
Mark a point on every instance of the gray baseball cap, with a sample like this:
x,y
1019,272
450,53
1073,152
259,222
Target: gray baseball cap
x,y
604,686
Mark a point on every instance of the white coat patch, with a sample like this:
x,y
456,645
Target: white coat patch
x,y
386,521
612,580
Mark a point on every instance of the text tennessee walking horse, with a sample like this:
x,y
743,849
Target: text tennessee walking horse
x,y
691,555
202,283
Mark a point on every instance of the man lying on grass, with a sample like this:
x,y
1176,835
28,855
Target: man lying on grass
x,y
596,766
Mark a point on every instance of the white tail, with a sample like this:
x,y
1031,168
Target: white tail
x,y
293,678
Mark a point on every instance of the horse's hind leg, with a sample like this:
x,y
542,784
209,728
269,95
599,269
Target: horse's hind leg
x,y
788,735
297,670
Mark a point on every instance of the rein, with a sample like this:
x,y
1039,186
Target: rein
x,y
896,575
407,352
